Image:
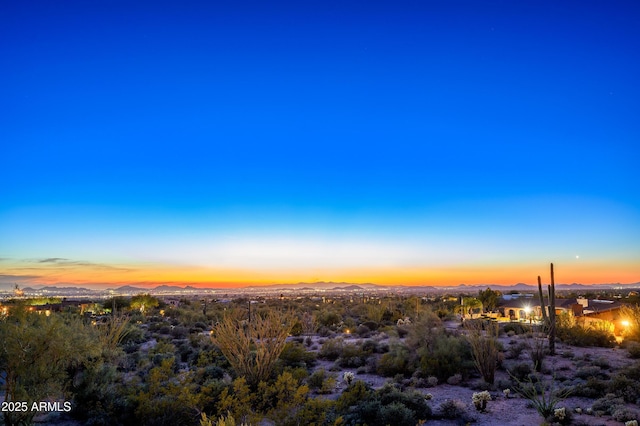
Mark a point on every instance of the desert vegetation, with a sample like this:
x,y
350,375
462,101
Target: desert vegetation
x,y
344,360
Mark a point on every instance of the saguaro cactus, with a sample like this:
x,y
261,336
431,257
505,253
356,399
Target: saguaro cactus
x,y
545,319
552,315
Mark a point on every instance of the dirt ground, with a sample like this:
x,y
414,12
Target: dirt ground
x,y
514,410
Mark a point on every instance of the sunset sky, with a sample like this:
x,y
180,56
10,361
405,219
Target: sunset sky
x,y
236,143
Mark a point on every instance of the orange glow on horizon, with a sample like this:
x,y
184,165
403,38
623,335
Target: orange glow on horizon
x,y
151,275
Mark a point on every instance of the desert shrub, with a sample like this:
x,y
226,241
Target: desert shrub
x,y
455,380
295,355
453,409
396,414
363,331
592,388
370,366
515,327
324,331
186,352
366,412
515,350
413,400
371,325
483,386
370,346
352,356
590,371
578,335
164,329
280,400
445,357
396,361
321,381
296,331
167,398
432,381
331,349
133,334
607,404
602,362
624,387
520,371
418,382
210,372
353,394
298,373
424,330
383,347
568,354
179,332
200,326
316,411
632,371
329,319
624,414
386,406
315,380
634,349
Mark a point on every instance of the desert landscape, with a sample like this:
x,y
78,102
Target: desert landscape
x,y
346,359
319,213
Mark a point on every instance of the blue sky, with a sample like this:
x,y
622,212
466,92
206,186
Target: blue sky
x,y
395,131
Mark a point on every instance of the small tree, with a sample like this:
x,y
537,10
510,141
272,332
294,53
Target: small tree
x,y
489,298
253,346
144,303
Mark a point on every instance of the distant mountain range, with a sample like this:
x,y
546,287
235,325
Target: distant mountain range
x,y
320,286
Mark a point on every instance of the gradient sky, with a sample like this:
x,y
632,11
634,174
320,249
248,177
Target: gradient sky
x,y
427,142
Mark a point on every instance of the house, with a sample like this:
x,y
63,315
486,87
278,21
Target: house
x,y
588,311
595,311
